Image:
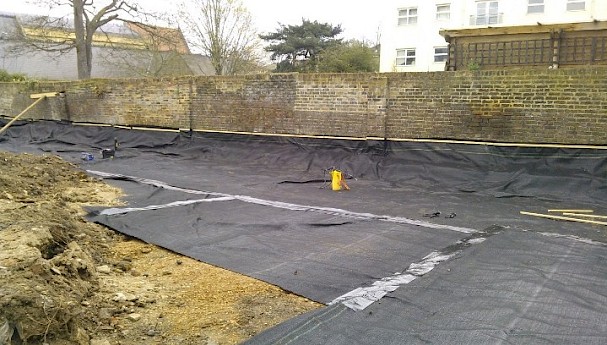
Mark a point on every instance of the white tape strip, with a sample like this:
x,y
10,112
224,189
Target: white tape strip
x,y
362,297
572,237
293,207
114,211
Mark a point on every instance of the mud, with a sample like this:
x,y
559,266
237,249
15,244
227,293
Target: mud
x,y
69,281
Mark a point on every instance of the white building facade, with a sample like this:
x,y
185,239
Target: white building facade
x,y
411,42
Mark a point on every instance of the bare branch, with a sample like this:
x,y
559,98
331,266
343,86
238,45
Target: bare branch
x,y
221,29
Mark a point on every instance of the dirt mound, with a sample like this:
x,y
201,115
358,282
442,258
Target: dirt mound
x,y
68,281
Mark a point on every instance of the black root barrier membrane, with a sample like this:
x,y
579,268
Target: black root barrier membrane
x,y
428,246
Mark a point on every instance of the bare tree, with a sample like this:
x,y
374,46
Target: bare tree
x,y
88,17
224,31
161,54
86,22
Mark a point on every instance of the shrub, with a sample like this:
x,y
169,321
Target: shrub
x,y
5,76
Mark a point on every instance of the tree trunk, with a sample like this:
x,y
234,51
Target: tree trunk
x,y
82,51
89,51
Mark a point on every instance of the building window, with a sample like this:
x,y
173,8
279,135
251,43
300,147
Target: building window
x,y
576,5
535,6
486,13
441,54
407,16
443,12
405,57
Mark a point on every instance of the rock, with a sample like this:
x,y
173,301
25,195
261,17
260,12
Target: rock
x,y
105,269
119,297
131,297
74,262
146,250
105,314
133,317
6,332
100,342
124,265
79,336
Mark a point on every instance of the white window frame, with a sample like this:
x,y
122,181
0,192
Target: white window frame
x,y
442,56
407,16
443,11
576,5
535,6
490,13
406,56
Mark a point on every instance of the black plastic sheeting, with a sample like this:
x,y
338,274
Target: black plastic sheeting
x,y
429,238
514,288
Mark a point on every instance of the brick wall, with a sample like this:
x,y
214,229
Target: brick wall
x,y
532,105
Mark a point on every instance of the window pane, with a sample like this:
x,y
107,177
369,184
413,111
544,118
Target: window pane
x,y
443,12
405,57
535,9
536,2
440,54
407,16
576,5
481,8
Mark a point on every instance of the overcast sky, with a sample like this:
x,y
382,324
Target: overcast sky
x,y
359,19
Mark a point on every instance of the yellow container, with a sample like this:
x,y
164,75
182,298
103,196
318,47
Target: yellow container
x,y
335,179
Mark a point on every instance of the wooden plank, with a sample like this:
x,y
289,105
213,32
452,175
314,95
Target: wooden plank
x,y
524,29
569,219
42,95
18,116
571,211
584,215
499,144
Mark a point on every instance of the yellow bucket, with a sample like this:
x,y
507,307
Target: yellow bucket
x,y
337,181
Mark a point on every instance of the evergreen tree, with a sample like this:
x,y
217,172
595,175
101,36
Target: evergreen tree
x,y
296,48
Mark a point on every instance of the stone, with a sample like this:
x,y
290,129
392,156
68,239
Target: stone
x,y
105,314
79,336
100,342
133,317
119,297
131,297
105,269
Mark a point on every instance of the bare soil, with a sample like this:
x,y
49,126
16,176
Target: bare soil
x,y
68,281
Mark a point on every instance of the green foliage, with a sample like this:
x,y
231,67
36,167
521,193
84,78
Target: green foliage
x,y
296,47
474,65
352,56
5,76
